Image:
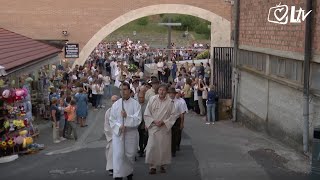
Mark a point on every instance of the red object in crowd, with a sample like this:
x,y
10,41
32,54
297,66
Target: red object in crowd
x,y
25,122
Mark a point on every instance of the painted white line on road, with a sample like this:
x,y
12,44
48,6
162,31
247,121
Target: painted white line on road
x,y
74,171
64,150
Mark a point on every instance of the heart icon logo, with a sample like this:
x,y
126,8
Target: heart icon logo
x,y
277,14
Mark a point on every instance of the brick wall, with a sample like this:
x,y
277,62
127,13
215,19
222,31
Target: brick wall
x,y
316,24
41,19
270,100
255,30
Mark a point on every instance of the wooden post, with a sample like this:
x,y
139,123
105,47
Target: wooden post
x,y
122,81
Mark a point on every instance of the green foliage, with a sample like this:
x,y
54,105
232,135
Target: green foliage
x,y
203,29
156,35
190,23
143,21
132,68
204,55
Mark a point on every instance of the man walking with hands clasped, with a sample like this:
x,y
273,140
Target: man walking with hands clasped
x,y
159,117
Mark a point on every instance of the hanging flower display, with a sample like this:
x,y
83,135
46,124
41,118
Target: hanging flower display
x,y
6,93
11,143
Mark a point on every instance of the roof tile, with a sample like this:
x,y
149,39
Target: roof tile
x,y
16,49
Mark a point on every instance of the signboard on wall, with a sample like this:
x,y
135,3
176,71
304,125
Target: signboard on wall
x,y
71,51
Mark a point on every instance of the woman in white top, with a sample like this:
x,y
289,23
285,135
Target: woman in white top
x,y
100,86
107,82
195,95
160,69
94,88
193,70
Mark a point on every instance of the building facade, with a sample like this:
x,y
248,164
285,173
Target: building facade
x,y
89,22
271,63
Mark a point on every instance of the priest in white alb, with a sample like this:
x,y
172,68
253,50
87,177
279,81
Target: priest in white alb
x,y
124,124
114,68
159,116
108,133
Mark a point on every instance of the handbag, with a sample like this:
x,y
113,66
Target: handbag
x,y
205,93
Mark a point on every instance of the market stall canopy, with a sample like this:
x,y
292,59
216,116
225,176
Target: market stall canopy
x,y
17,50
2,71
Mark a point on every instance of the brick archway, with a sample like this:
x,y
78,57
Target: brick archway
x,y
220,27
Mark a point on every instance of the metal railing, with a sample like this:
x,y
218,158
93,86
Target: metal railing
x,y
222,67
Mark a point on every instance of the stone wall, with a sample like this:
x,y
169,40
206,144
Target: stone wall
x,y
276,109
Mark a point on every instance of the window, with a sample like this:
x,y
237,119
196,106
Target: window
x,y
252,60
281,68
273,65
287,68
315,76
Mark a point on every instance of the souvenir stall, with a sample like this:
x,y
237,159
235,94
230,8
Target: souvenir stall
x,y
16,129
40,93
46,77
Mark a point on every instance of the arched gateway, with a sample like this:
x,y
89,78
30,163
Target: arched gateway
x,y
220,27
88,22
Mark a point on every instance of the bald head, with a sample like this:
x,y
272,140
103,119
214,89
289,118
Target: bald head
x,y
143,89
141,94
141,97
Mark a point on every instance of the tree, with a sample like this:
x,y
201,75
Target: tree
x,y
143,21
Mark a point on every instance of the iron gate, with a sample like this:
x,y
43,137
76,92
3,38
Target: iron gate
x,y
222,68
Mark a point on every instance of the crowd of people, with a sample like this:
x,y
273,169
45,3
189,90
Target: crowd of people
x,y
147,118
69,99
141,53
149,115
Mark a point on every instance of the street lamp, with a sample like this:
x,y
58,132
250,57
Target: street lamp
x,y
229,1
65,33
186,33
134,33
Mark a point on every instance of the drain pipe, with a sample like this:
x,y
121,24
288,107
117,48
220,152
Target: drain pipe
x,y
306,92
235,58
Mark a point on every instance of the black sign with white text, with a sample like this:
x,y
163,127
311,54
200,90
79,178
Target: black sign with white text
x,y
71,51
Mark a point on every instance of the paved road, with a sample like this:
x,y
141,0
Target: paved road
x,y
225,151
229,151
89,163
85,158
